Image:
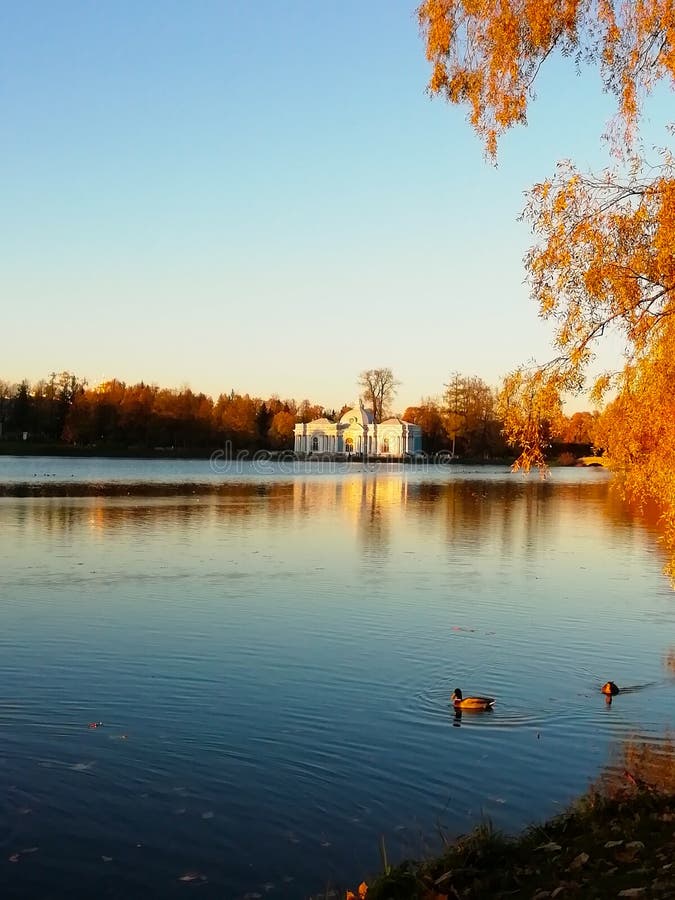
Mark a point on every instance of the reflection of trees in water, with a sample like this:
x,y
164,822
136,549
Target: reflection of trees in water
x,y
51,515
637,762
519,512
669,660
622,512
493,516
186,507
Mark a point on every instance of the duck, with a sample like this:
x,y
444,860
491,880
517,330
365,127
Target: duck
x,y
460,702
610,689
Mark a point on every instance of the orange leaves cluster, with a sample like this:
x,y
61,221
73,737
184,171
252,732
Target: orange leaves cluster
x,y
361,892
605,258
638,432
530,408
487,53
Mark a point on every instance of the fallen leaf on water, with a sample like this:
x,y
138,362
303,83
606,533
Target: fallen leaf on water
x,y
30,850
207,815
107,858
190,876
14,857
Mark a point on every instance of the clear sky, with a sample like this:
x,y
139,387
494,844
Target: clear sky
x,y
261,196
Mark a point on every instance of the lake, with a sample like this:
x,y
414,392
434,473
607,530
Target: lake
x,y
271,651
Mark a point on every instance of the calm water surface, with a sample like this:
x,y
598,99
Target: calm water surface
x,y
272,655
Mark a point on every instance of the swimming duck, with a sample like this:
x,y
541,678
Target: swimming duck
x,y
609,688
460,702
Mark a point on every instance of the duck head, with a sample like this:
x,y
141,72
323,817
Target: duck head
x,y
610,689
456,694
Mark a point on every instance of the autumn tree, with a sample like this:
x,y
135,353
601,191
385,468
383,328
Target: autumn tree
x,y
487,54
308,411
429,416
469,413
378,389
281,430
236,419
579,428
530,408
603,259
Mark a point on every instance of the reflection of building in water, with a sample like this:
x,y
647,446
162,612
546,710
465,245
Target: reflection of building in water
x,y
372,505
355,432
351,497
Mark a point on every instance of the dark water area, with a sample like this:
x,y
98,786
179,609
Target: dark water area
x,y
272,652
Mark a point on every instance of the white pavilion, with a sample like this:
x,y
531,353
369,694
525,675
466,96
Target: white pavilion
x,y
357,431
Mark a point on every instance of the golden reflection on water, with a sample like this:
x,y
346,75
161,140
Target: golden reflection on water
x,y
640,761
324,616
378,510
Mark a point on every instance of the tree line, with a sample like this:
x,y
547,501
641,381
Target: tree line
x,y
65,409
464,420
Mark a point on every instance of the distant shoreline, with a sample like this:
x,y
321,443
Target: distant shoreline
x,y
21,449
205,453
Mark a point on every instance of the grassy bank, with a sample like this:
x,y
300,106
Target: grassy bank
x,y
616,841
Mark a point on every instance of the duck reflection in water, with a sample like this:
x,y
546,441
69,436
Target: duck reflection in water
x,y
457,720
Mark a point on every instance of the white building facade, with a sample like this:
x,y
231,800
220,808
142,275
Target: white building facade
x,y
356,432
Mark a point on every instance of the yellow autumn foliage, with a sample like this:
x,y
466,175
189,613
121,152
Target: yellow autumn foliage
x,y
487,53
604,257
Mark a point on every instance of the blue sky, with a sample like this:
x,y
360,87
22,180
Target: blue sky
x,y
261,196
